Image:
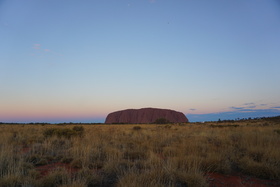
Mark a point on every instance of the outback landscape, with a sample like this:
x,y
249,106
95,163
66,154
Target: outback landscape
x,y
222,153
65,65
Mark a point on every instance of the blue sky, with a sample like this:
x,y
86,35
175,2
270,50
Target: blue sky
x,y
71,60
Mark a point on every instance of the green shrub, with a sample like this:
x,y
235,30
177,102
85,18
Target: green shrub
x,y
162,121
64,132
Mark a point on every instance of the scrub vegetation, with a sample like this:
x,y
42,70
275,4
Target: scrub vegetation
x,y
149,155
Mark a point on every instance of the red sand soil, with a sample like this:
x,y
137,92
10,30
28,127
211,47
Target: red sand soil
x,y
46,169
220,180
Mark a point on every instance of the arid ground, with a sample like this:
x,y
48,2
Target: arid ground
x,y
228,153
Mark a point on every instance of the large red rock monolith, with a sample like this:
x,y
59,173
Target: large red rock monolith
x,y
145,115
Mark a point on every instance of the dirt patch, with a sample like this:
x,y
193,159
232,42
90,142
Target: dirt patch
x,y
46,169
238,180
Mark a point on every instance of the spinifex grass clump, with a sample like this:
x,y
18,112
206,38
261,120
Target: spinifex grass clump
x,y
277,131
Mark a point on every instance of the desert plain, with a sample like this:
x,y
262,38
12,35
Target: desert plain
x,y
222,153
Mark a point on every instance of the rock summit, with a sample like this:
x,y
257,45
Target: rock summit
x,y
145,115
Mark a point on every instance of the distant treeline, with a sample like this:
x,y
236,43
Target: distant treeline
x,y
274,119
40,123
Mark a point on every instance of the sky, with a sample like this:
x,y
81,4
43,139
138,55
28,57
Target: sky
x,y
77,61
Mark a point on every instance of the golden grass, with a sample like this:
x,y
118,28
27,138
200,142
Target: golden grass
x,y
139,155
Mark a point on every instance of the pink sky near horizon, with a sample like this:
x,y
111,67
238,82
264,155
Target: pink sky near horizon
x,y
76,113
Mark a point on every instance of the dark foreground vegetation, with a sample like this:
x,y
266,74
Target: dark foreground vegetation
x,y
78,155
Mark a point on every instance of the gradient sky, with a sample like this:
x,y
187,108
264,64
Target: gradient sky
x,y
77,61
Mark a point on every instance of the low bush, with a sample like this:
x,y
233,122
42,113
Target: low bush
x,y
137,128
79,129
162,121
64,132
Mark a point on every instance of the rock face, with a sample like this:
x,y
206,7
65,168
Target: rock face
x,y
145,115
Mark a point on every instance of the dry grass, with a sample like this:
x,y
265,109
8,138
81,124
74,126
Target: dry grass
x,y
142,155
